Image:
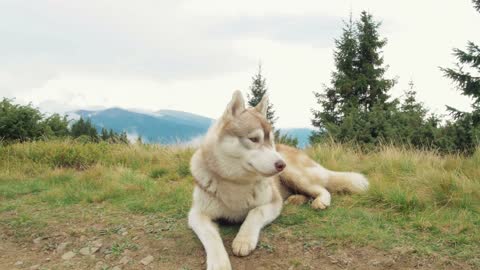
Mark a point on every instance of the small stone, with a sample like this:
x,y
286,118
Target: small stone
x,y
124,260
97,243
37,240
35,267
389,262
47,259
88,250
62,246
117,268
99,265
19,263
147,260
68,255
85,251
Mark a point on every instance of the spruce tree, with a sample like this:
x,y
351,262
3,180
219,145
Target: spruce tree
x,y
104,134
371,86
341,94
355,106
464,131
257,90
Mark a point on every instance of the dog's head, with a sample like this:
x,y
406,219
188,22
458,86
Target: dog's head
x,y
244,141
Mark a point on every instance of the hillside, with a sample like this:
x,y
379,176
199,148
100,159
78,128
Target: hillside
x,y
164,126
66,205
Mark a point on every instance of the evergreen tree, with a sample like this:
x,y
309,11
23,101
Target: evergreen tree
x,y
124,137
355,106
413,125
341,94
371,86
104,134
84,128
112,135
464,131
257,90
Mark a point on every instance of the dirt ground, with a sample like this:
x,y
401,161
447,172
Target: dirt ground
x,y
144,242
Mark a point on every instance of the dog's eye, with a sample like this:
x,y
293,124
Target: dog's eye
x,y
254,139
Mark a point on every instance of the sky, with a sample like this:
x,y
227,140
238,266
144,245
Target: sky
x,y
191,55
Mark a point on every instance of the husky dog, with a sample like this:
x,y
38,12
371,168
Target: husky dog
x,y
242,176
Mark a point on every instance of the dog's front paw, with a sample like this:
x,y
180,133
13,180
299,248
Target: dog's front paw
x,y
321,203
219,264
243,245
297,199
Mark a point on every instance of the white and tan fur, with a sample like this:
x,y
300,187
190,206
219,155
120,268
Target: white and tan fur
x,y
240,176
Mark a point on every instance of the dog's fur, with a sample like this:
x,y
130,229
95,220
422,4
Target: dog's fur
x,y
236,172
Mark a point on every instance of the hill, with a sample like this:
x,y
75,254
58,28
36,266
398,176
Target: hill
x,y
164,126
97,206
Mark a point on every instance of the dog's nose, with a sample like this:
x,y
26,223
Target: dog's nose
x,y
280,165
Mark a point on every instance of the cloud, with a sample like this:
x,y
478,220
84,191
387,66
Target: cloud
x,y
190,55
318,31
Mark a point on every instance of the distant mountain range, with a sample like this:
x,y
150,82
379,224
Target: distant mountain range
x,y
163,126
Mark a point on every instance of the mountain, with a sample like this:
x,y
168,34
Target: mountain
x,y
164,126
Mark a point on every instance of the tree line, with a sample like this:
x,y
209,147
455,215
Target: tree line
x,y
356,107
20,123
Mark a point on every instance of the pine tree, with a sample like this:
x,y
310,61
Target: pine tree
x,y
257,90
413,126
464,131
466,76
341,94
355,106
124,137
371,86
104,134
86,128
410,104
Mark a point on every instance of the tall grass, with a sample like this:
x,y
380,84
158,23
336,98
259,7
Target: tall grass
x,y
417,198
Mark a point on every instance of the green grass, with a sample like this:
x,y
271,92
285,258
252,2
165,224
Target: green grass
x,y
419,200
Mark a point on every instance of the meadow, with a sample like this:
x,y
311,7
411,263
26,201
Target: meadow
x,y
71,205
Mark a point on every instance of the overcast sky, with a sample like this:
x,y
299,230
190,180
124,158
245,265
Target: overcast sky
x,y
190,55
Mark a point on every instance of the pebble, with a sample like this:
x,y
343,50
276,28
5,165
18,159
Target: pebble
x,y
124,260
62,246
18,263
68,255
37,240
35,267
122,231
147,260
100,265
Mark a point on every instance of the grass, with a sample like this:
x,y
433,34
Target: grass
x,y
418,199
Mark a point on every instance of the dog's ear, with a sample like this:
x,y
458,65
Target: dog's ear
x,y
262,106
236,105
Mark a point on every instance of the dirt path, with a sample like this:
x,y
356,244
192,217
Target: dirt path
x,y
143,242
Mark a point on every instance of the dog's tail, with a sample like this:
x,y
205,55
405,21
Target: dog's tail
x,y
346,182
